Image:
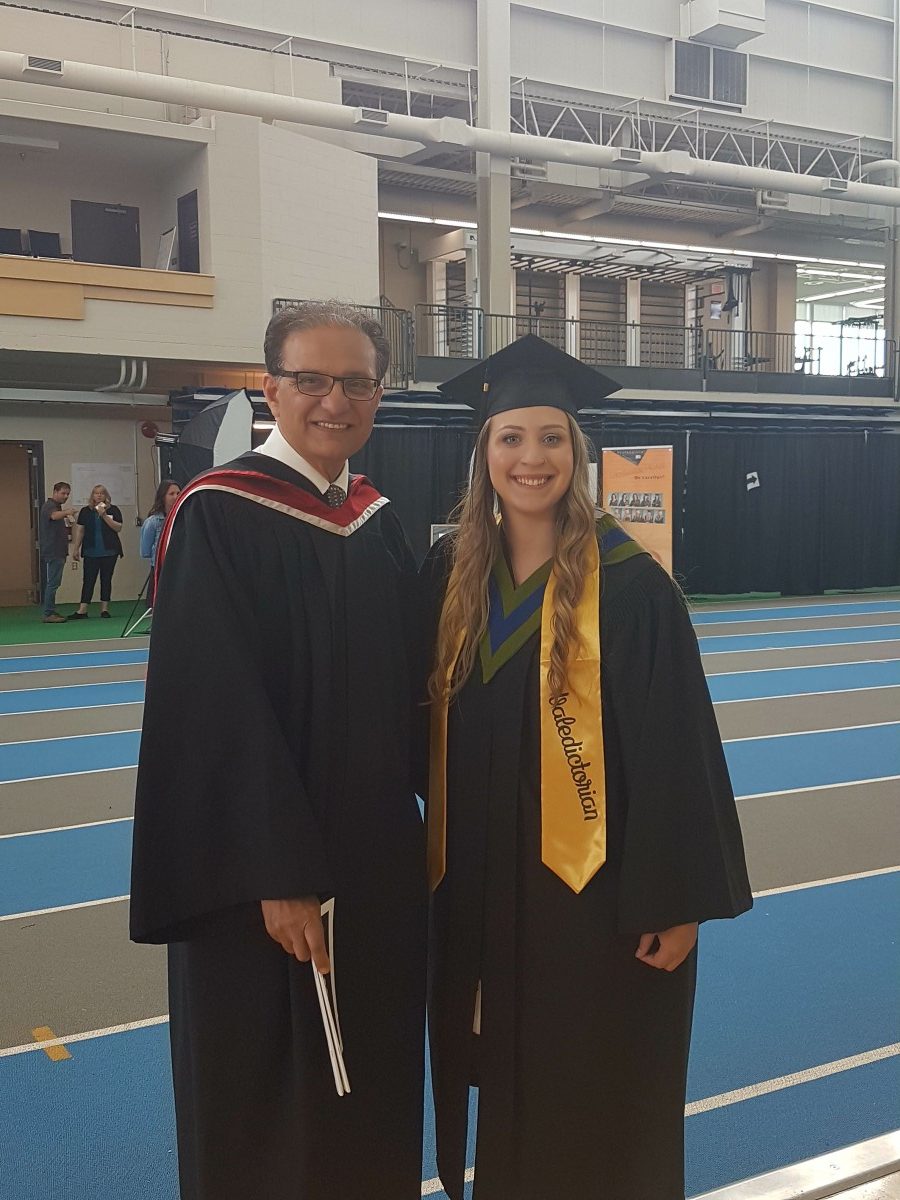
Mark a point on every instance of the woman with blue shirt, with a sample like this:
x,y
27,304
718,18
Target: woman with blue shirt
x,y
96,541
166,495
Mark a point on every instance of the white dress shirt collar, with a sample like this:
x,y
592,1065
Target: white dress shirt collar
x,y
277,446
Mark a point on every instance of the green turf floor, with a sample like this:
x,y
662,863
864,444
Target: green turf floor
x,y
22,625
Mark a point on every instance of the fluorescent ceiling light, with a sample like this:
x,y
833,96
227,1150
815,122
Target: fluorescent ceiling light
x,y
835,274
853,291
29,143
715,251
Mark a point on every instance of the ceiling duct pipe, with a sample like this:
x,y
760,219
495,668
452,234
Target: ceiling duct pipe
x,y
434,131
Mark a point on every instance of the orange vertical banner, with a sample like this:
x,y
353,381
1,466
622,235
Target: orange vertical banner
x,y
637,491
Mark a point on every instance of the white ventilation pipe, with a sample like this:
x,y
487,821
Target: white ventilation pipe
x,y
434,131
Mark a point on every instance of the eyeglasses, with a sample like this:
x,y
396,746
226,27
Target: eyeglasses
x,y
312,383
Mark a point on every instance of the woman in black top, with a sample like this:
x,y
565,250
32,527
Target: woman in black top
x,y
97,543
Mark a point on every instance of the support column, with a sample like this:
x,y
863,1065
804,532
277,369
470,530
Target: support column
x,y
492,171
632,322
892,301
432,334
573,315
892,277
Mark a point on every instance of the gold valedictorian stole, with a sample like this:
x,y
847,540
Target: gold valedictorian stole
x,y
573,794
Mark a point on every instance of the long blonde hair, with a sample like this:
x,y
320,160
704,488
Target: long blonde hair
x,y
476,544
105,498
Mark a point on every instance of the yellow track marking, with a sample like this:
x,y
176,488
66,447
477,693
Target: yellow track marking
x,y
55,1053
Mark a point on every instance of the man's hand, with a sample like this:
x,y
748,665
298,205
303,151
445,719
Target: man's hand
x,y
297,927
675,945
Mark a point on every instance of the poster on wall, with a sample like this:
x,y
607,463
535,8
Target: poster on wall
x,y
117,478
637,491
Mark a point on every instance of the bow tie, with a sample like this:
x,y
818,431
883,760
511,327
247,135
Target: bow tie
x,y
334,496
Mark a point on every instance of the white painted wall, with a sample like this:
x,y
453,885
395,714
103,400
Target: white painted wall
x,y
88,438
318,220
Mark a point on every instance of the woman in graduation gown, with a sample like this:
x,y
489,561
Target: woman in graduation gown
x,y
581,822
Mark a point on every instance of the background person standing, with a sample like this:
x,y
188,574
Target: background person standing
x,y
53,537
166,495
97,542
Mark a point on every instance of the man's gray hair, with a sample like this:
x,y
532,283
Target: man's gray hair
x,y
314,314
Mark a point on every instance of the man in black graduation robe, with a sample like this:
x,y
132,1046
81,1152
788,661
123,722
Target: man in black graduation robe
x,y
582,1053
274,766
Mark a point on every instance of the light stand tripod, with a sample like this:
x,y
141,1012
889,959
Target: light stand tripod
x,y
129,628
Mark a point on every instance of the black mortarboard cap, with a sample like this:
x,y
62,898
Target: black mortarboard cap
x,y
528,373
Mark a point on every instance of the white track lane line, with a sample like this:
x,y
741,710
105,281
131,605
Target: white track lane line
x,y
60,653
814,883
819,787
65,737
35,712
43,912
64,774
860,662
808,617
64,828
127,1027
780,649
761,737
880,687
792,887
800,603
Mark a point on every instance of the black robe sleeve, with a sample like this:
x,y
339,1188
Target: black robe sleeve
x,y
431,587
221,816
683,856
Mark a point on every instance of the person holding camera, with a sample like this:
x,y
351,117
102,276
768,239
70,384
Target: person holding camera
x,y
97,542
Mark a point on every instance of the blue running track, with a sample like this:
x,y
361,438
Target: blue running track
x,y
85,695
788,612
69,866
68,755
65,866
62,662
809,760
728,643
113,1097
800,681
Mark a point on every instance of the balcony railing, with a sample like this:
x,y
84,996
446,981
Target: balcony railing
x,y
450,331
464,332
398,329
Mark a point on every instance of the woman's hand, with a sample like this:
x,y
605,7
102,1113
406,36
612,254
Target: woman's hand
x,y
675,945
297,927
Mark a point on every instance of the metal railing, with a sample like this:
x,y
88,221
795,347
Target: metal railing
x,y
458,331
399,330
449,331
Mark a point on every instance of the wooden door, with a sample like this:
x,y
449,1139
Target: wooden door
x,y
17,530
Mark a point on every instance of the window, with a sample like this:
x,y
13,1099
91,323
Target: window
x,y
708,73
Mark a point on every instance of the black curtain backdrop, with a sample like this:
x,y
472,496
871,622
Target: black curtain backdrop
x,y
826,513
423,470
